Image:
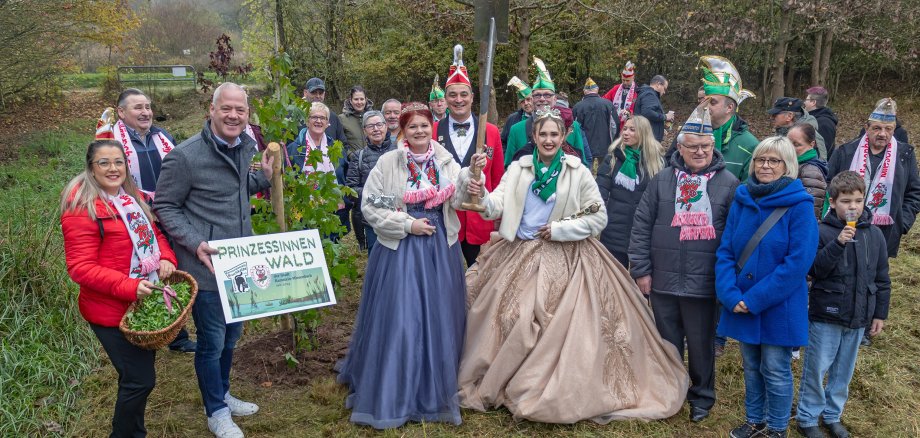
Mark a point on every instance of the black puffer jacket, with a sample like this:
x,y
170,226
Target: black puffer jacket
x,y
621,204
905,199
678,268
851,284
360,165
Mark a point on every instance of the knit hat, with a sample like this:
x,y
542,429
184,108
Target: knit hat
x,y
699,123
885,111
628,71
436,91
721,78
458,73
544,81
104,125
523,91
590,86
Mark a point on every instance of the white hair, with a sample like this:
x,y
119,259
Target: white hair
x,y
319,106
228,85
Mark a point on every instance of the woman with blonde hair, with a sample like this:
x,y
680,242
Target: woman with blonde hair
x,y
632,160
116,254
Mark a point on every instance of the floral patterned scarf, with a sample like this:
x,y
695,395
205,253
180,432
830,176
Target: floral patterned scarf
x,y
145,259
878,198
424,182
692,210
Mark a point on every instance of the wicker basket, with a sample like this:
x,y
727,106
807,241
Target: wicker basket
x,y
161,338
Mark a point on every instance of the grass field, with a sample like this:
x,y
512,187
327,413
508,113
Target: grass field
x,y
54,380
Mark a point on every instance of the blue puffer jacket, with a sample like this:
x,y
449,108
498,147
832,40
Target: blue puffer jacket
x,y
772,283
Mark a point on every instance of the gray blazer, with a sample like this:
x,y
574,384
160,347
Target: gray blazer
x,y
203,195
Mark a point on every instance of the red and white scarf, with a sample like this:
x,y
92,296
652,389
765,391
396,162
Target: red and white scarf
x,y
424,182
163,145
630,98
878,196
692,210
145,259
326,165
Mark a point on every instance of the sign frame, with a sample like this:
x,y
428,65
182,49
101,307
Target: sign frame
x,y
288,269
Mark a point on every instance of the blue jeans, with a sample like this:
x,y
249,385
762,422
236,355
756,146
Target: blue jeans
x,y
214,356
371,237
832,351
767,384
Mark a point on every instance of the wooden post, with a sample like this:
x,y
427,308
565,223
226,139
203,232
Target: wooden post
x,y
274,150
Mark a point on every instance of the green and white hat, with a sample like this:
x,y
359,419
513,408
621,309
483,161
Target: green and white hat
x,y
721,78
436,91
544,81
523,91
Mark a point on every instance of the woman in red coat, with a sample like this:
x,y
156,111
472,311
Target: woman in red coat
x,y
115,253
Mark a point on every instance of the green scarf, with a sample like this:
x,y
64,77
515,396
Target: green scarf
x,y
808,155
628,177
545,177
723,134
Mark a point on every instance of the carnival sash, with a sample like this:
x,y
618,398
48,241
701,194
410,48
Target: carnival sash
x,y
692,209
163,145
630,98
424,182
878,189
145,257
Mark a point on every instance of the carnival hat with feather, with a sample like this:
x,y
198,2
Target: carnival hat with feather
x,y
104,125
458,73
699,122
544,81
721,78
523,91
436,91
886,111
628,71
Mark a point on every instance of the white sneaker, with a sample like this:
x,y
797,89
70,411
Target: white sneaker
x,y
239,408
221,425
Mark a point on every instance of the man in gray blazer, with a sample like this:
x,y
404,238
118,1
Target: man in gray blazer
x,y
203,194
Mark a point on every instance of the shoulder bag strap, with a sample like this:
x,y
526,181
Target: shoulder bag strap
x,y
758,236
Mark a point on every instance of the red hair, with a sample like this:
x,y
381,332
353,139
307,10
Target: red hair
x,y
413,109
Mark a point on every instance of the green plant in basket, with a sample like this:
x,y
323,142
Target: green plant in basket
x,y
159,309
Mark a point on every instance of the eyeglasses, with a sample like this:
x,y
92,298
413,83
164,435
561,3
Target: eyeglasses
x,y
318,118
377,125
695,149
770,162
542,95
105,164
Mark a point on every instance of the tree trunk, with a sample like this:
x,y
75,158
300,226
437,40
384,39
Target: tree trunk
x,y
790,82
779,52
279,28
333,50
816,60
524,32
765,79
826,56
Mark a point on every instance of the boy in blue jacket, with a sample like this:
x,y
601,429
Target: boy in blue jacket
x,y
850,294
